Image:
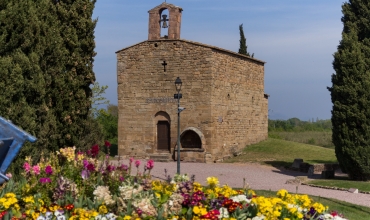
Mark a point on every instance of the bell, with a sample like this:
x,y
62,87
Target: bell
x,y
164,25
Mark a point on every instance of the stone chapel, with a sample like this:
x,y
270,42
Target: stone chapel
x,y
222,91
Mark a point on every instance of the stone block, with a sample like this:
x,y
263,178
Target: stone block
x,y
296,163
327,174
304,167
353,190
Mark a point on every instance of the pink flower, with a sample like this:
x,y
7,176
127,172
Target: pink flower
x,y
150,164
131,160
45,180
137,163
48,170
27,167
36,169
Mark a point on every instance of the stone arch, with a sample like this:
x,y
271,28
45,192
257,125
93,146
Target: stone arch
x,y
192,138
162,125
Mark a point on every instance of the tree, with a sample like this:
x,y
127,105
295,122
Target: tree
x,y
70,94
243,42
350,92
97,98
46,56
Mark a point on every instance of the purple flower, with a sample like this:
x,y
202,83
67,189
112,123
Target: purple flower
x,y
110,168
85,163
124,167
90,167
45,180
121,178
48,170
85,174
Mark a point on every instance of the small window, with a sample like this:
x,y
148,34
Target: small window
x,y
190,139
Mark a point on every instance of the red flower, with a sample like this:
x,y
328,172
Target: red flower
x,y
107,144
69,207
94,150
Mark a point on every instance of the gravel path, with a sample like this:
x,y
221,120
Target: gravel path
x,y
257,176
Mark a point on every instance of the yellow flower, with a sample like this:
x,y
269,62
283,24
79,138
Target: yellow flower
x,y
103,209
197,187
196,210
127,217
29,199
212,181
282,193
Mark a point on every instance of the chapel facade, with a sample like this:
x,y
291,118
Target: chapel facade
x,y
222,91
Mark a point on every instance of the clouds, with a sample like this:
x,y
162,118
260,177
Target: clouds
x,y
295,38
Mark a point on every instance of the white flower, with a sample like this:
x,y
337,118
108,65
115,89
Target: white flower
x,y
223,213
103,193
170,203
49,215
61,217
111,216
261,217
41,218
240,198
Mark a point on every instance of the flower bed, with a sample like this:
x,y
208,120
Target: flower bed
x,y
77,185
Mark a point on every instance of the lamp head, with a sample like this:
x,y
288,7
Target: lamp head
x,y
178,84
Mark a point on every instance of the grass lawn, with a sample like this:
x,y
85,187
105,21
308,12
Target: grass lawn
x,y
318,138
343,183
278,153
350,211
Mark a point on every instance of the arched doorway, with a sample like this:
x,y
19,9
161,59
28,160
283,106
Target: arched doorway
x,y
190,139
163,126
163,136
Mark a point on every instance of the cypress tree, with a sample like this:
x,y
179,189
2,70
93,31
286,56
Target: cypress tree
x,y
243,42
350,92
71,92
46,56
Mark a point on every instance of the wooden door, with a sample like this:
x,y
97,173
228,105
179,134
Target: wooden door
x,y
163,135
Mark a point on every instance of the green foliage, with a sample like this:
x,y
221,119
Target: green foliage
x,y
97,99
350,92
46,55
108,119
294,124
243,42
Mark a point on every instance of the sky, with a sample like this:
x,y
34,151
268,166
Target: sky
x,y
296,39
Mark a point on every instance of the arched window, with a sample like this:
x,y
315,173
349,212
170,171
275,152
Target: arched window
x,y
190,139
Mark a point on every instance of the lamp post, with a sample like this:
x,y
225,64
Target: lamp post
x,y
178,96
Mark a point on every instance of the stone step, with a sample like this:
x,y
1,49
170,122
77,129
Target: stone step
x,y
161,157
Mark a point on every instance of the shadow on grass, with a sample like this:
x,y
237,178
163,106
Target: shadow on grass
x,y
279,164
321,161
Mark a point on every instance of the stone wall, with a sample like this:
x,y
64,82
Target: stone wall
x,y
239,108
223,93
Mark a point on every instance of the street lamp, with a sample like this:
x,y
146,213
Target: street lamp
x,y
178,96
